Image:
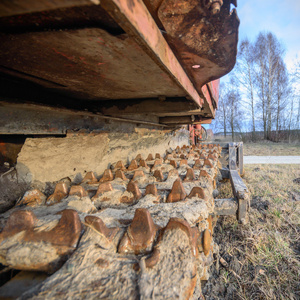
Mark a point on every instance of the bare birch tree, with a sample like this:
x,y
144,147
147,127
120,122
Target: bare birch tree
x,y
245,74
221,118
268,55
234,107
261,79
282,92
229,113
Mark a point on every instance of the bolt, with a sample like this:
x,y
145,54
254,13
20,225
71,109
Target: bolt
x,y
206,241
214,6
177,193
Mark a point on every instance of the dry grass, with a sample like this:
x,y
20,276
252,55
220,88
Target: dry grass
x,y
225,190
272,149
263,255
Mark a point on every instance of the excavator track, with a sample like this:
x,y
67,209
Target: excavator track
x,y
141,231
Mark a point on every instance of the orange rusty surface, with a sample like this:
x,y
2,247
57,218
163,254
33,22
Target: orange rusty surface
x,y
66,233
206,93
3,149
177,193
121,51
214,89
97,224
141,22
203,34
151,189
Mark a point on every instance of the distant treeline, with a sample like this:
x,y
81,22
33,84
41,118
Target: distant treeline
x,y
280,136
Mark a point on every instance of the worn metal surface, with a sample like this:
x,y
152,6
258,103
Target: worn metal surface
x,y
111,56
90,63
179,120
240,191
17,118
208,107
163,107
213,87
240,158
204,35
226,207
136,20
9,8
87,63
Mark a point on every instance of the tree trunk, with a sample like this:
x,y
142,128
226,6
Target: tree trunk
x,y
225,121
290,122
252,111
277,118
232,119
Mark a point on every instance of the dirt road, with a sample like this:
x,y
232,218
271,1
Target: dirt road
x,y
271,160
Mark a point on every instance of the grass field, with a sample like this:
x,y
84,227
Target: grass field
x,y
272,149
263,256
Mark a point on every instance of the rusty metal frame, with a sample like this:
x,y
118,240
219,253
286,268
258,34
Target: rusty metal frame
x,y
207,95
135,19
240,191
16,118
239,205
191,119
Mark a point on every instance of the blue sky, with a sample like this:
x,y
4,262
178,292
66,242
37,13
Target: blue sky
x,y
280,17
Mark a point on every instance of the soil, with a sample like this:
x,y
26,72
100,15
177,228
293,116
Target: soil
x,y
218,285
260,260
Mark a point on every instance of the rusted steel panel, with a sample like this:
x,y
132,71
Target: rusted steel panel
x,y
112,50
211,93
88,64
208,104
214,90
82,16
136,20
204,35
165,107
184,120
19,118
10,8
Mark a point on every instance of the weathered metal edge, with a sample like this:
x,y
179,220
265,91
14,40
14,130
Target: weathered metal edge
x,y
135,19
16,118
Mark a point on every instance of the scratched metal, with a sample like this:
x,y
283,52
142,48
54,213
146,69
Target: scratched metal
x,y
82,52
87,63
203,36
